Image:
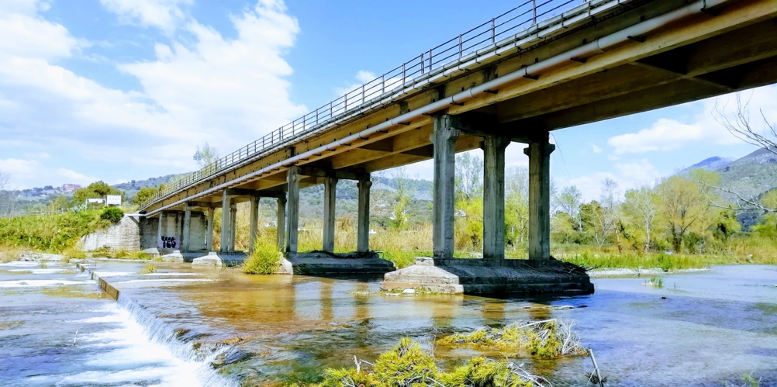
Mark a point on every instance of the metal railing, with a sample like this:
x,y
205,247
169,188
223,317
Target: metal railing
x,y
500,31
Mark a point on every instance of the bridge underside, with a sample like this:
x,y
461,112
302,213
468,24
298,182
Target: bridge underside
x,y
732,47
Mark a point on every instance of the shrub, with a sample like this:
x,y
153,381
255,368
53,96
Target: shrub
x,y
265,259
112,214
148,269
52,233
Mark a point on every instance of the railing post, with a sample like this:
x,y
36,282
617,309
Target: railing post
x,y
331,112
534,11
383,84
403,75
423,64
345,109
493,30
364,97
316,116
460,46
430,60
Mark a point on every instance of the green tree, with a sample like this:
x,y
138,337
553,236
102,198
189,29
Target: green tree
x,y
641,212
399,218
97,189
469,200
685,207
144,194
517,206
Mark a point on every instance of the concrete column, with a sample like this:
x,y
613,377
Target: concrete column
x,y
444,140
209,233
187,228
161,227
233,227
494,197
363,217
330,198
281,221
254,216
226,222
539,199
292,210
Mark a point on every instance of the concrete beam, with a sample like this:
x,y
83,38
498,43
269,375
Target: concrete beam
x,y
363,216
444,140
292,210
494,197
336,173
330,201
539,199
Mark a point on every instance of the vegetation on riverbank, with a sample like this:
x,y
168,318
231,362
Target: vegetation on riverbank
x,y
408,365
50,233
265,259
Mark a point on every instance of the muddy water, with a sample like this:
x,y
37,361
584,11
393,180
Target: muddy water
x,y
699,330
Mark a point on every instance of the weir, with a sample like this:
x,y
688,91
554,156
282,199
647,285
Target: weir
x,y
512,79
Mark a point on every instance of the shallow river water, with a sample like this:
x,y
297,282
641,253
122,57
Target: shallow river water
x,y
700,329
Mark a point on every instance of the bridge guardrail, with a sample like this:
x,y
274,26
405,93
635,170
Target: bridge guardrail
x,y
528,18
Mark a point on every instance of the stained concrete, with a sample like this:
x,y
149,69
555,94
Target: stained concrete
x,y
325,263
490,276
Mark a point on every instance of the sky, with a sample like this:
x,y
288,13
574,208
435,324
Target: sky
x,y
120,90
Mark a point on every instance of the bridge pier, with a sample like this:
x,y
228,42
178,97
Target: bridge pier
x,y
444,141
280,223
494,196
187,228
209,232
226,222
539,198
363,217
330,201
254,223
292,210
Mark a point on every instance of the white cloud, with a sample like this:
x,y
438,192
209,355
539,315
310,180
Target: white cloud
x,y
670,134
596,149
628,175
74,177
163,14
199,88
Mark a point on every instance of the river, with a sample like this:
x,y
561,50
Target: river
x,y
700,329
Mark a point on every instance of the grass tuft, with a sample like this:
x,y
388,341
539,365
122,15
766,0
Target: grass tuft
x,y
148,269
265,259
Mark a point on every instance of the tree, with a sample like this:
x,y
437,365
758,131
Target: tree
x,y
469,200
683,205
469,177
517,206
97,189
401,199
569,202
144,194
206,155
641,208
4,179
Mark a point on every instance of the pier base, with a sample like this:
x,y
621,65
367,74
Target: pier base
x,y
490,276
326,263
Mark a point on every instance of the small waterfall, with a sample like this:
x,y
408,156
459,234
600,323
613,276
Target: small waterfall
x,y
159,332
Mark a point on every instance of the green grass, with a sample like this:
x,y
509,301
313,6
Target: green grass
x,y
665,262
148,269
656,282
265,259
51,233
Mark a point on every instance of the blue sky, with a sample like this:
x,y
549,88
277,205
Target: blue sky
x,y
126,89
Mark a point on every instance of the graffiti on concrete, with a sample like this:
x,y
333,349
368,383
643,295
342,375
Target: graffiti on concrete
x,y
168,242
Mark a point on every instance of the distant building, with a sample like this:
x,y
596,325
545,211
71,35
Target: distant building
x,y
70,187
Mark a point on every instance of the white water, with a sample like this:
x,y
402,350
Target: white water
x,y
117,344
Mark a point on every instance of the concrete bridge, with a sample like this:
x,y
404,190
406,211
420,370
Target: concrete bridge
x,y
514,78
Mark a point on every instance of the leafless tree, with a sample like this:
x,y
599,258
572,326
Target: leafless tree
x,y
4,178
738,123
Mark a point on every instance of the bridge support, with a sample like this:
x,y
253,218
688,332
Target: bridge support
x,y
292,210
232,226
209,232
187,228
539,198
494,196
226,222
444,141
254,223
363,217
330,198
280,223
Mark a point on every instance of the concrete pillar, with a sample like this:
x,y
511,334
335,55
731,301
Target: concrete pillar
x,y
281,221
292,209
494,196
444,141
187,228
226,222
539,199
209,233
330,198
254,221
233,226
363,217
161,228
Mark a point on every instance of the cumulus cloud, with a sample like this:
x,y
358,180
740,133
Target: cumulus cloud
x,y
198,87
596,149
671,134
163,14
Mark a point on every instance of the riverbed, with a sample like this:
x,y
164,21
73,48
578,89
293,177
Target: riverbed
x,y
215,327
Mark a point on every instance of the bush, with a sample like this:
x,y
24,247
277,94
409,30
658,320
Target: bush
x,y
265,259
53,233
112,214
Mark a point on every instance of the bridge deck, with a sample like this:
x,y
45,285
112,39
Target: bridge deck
x,y
732,47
